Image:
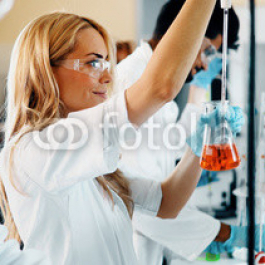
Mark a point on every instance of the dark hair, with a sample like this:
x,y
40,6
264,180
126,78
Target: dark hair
x,y
124,46
171,9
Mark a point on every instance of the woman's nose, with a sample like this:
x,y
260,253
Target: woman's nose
x,y
106,77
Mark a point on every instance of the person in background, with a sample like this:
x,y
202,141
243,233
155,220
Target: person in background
x,y
124,48
66,197
193,231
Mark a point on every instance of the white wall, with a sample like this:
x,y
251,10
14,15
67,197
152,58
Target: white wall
x,y
239,61
117,15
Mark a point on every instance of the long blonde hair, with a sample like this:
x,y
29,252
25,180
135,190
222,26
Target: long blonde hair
x,y
33,98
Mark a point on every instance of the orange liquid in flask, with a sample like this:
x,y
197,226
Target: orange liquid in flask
x,y
220,157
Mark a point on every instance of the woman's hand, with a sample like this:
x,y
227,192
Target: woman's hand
x,y
234,117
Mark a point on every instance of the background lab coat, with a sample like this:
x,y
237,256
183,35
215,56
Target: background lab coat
x,y
65,213
191,232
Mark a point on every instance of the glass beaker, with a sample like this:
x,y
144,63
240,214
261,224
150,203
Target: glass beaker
x,y
219,150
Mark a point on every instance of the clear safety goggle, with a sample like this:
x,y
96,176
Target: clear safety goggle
x,y
210,53
93,68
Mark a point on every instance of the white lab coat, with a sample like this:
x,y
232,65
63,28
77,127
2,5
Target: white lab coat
x,y
192,231
63,211
10,254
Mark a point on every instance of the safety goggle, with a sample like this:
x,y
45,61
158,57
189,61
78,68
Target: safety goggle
x,y
210,53
93,68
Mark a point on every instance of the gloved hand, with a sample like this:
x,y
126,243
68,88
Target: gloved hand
x,y
234,117
207,177
204,78
238,238
216,248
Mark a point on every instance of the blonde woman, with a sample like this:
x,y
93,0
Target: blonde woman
x,y
67,200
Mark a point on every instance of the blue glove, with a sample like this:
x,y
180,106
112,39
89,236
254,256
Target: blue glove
x,y
234,117
216,248
207,177
204,78
238,238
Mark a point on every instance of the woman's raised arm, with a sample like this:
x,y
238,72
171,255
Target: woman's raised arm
x,y
171,61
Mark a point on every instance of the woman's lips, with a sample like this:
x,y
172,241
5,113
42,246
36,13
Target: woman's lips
x,y
101,94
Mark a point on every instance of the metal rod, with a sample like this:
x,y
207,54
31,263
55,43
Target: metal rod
x,y
251,139
224,74
224,61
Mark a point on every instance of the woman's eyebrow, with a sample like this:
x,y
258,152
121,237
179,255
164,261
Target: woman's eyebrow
x,y
97,54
